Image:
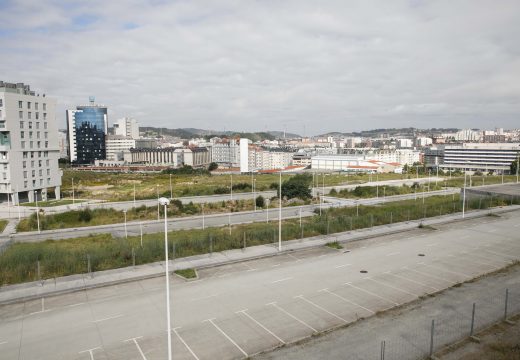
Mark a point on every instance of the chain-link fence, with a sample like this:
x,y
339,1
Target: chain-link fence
x,y
451,324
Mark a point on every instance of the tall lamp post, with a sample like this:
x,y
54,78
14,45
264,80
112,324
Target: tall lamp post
x,y
37,210
73,201
165,202
254,193
280,216
126,231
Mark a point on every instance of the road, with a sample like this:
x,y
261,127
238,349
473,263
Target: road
x,y
239,310
215,220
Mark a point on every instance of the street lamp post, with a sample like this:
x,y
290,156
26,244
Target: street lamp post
x,y
171,187
231,194
280,216
464,196
134,194
158,208
126,232
517,165
203,217
254,193
165,202
267,212
73,200
37,210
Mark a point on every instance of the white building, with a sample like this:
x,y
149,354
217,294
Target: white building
x,y
352,163
260,159
116,145
424,141
63,145
29,150
127,127
225,152
405,143
468,135
480,156
244,155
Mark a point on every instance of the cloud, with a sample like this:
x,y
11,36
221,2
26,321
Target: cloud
x,y
249,65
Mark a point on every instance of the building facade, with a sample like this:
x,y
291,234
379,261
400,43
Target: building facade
x,y
29,150
225,152
116,145
480,157
127,127
87,127
165,156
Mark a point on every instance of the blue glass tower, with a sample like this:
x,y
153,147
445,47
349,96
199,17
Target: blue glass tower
x,y
87,127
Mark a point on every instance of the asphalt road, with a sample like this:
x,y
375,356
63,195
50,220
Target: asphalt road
x,y
235,311
215,220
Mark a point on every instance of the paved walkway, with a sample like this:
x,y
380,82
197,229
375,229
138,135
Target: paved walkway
x,y
34,290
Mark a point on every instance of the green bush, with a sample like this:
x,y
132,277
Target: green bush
x,y
85,215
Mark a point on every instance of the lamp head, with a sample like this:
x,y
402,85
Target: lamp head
x,y
164,201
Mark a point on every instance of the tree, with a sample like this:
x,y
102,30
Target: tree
x,y
297,186
213,166
260,201
513,167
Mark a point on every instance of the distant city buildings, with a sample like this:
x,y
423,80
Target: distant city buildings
x,y
87,127
127,127
29,148
116,145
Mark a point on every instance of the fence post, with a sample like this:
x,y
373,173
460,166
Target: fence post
x,y
133,257
371,220
431,338
472,321
506,303
383,346
210,245
89,269
38,271
244,241
302,231
391,218
351,223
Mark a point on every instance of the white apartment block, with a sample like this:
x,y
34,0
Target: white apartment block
x,y
116,145
468,135
478,156
260,159
126,127
29,150
225,152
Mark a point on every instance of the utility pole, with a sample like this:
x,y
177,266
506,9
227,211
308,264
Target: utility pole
x,y
280,216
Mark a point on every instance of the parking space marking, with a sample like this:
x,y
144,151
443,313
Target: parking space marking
x,y
392,287
346,300
340,266
205,297
74,305
410,280
292,316
90,351
108,318
137,345
244,312
496,253
281,280
371,293
321,308
43,308
428,275
442,269
184,342
275,265
294,257
394,253
226,335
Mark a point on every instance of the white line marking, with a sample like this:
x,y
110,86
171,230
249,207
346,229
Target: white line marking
x,y
443,269
294,257
371,293
251,270
137,345
321,308
346,300
244,312
292,316
507,255
275,265
227,337
90,351
433,244
3,342
108,318
205,297
184,342
74,305
340,266
410,280
280,280
393,287
394,253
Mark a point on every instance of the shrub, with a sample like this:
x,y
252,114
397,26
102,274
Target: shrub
x,y
85,215
260,201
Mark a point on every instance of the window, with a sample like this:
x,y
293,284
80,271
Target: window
x,y
22,134
21,124
34,183
40,172
44,107
31,144
48,172
48,181
32,163
46,144
20,104
22,144
44,116
1,102
46,135
45,125
28,104
37,125
39,163
41,181
35,106
20,114
5,176
32,154
47,162
24,164
30,124
25,184
39,154
30,134
38,144
25,176
29,115
2,123
45,153
25,154
37,134
36,115
0,113
33,173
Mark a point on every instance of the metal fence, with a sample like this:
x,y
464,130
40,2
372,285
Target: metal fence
x,y
452,324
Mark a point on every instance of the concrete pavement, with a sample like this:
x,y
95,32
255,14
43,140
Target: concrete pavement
x,y
239,310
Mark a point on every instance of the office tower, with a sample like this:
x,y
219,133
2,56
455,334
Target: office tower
x,y
127,127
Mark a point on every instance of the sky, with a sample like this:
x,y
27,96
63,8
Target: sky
x,y
308,67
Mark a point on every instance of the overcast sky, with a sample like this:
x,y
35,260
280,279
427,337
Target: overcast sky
x,y
308,66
